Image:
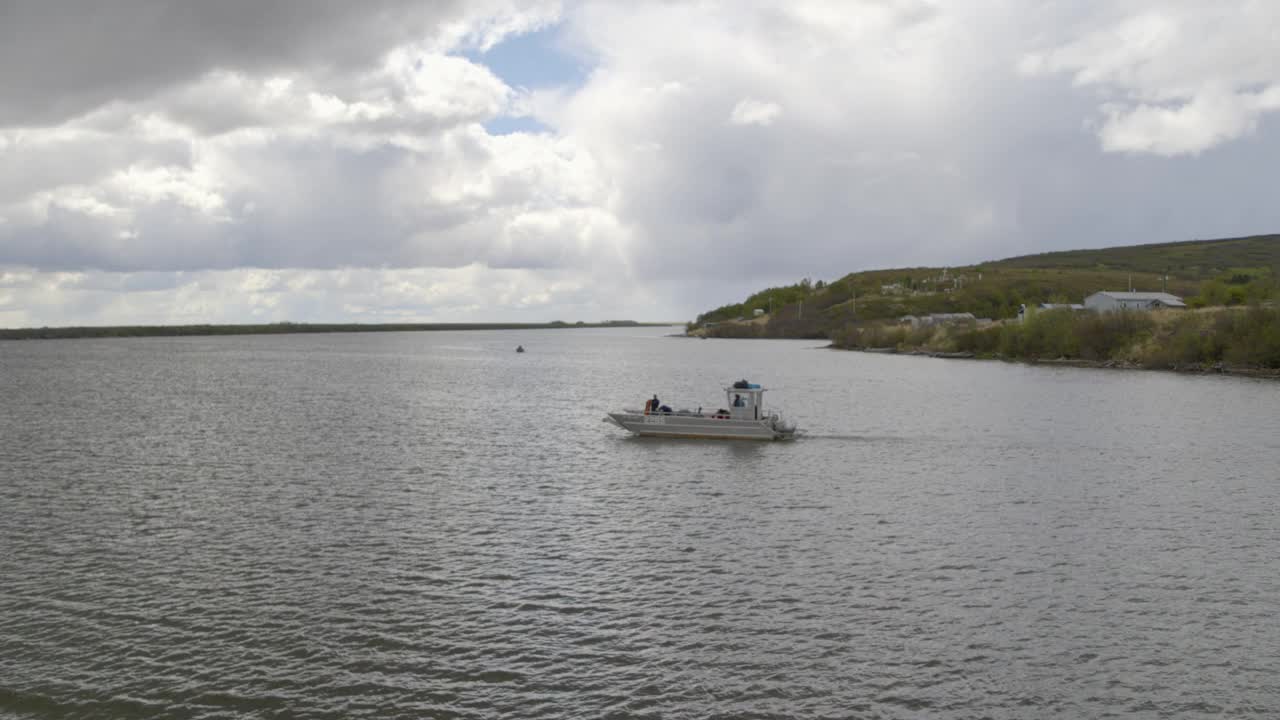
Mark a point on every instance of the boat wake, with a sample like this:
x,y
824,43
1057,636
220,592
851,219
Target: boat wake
x,y
801,435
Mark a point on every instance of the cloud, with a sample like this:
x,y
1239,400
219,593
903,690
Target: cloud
x,y
59,59
471,293
754,112
451,199
385,166
826,189
1174,77
321,160
1212,116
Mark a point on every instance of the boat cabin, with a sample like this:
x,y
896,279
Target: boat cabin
x,y
745,403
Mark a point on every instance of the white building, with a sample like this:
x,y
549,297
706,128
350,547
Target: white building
x,y
1108,301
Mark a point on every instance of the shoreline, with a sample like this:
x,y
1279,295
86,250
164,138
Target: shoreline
x,y
288,328
1219,368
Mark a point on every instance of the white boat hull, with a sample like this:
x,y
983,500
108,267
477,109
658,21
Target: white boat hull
x,y
676,425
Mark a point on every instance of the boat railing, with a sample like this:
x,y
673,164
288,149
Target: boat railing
x,y
727,414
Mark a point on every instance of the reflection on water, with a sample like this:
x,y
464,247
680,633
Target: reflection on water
x,y
430,525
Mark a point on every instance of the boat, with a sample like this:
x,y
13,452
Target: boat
x,y
519,348
744,419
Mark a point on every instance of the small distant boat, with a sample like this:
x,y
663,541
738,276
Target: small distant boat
x,y
745,419
519,348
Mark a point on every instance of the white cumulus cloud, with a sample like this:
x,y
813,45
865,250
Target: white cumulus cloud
x,y
1174,77
754,112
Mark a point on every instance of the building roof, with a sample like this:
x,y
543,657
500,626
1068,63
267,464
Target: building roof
x,y
1162,298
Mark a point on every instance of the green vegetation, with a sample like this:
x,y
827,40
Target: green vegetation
x,y
286,327
1053,334
1193,258
1237,271
1167,339
765,300
1232,286
1236,287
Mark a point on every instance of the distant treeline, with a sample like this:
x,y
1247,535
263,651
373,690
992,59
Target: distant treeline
x,y
47,333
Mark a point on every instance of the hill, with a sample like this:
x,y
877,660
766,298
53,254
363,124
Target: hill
x,y
1195,259
1231,271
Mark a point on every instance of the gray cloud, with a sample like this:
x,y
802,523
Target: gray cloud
x,y
922,138
41,164
59,59
311,155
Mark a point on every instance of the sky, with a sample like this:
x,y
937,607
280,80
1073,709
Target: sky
x,y
534,160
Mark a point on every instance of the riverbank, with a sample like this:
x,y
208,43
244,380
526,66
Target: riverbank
x,y
1219,368
1243,341
61,333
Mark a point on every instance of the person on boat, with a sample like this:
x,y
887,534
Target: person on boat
x,y
737,401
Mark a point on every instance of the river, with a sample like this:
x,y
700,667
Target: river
x,y
430,525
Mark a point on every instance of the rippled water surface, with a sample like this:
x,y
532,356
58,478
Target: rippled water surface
x,y
428,525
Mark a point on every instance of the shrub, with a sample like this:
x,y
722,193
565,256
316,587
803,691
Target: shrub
x,y
979,341
1251,337
875,335
1243,337
1107,336
1050,334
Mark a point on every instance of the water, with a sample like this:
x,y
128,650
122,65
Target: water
x,y
428,525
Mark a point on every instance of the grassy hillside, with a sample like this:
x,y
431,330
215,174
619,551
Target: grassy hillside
x,y
1235,271
1194,259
